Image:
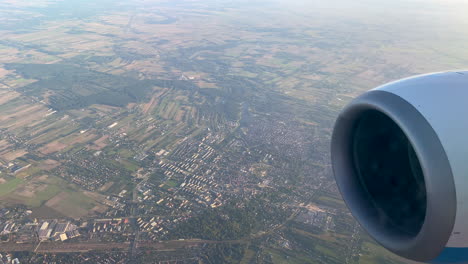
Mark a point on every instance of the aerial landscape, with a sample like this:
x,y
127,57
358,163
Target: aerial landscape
x,y
153,131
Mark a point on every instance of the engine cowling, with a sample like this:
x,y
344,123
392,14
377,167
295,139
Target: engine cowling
x,y
400,158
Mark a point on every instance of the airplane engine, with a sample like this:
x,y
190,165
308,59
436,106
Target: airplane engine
x,y
400,158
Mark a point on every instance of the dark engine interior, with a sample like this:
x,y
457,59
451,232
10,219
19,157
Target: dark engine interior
x,y
389,173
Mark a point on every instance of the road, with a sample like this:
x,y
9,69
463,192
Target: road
x,y
133,219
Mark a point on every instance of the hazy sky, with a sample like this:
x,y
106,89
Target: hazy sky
x,y
452,7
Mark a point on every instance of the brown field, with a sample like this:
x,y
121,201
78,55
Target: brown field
x,y
10,155
35,123
314,208
95,196
99,208
30,190
45,212
106,109
99,198
42,178
56,200
19,112
23,116
145,67
148,107
7,95
144,137
75,204
78,138
131,105
116,19
4,72
18,82
9,55
141,48
206,84
106,186
48,164
73,212
179,116
52,147
100,143
39,132
4,144
33,192
30,118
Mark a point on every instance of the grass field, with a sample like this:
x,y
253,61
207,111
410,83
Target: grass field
x,y
41,197
331,202
70,203
10,186
325,236
131,166
47,195
36,191
171,183
248,255
285,257
372,253
32,170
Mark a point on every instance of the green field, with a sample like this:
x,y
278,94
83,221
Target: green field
x,y
331,202
130,166
373,253
171,183
43,191
75,204
41,197
287,257
10,186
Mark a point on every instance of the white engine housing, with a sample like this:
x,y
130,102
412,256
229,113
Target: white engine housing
x,y
400,158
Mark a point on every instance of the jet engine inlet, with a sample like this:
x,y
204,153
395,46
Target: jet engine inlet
x,y
394,175
389,173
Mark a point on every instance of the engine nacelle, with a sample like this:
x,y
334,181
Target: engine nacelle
x,y
400,159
